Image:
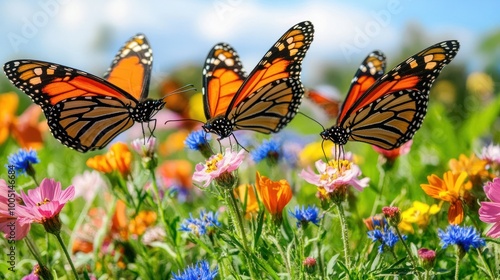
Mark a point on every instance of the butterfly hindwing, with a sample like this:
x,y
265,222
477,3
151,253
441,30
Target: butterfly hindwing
x,y
72,119
223,74
131,67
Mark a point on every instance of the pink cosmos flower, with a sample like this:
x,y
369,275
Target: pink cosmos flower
x,y
88,184
331,177
491,154
218,165
43,204
490,211
10,225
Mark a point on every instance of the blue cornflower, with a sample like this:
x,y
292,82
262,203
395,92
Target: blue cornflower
x,y
270,149
23,160
385,236
464,237
306,215
197,139
206,223
200,271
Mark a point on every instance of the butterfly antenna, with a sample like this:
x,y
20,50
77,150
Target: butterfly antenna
x,y
312,120
185,120
183,89
323,149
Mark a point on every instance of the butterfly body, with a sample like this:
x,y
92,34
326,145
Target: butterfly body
x,y
86,112
386,110
265,100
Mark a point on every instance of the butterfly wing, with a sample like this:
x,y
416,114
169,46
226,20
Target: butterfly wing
x,y
64,94
89,123
371,69
270,97
390,112
223,74
131,67
329,105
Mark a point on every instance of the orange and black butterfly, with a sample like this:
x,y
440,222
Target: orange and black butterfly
x,y
387,110
265,100
86,112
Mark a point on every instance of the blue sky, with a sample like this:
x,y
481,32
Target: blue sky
x,y
87,34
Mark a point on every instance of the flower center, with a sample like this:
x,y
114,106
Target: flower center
x,y
212,163
45,201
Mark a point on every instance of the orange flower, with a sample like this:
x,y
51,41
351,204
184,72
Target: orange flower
x,y
118,158
247,196
475,168
451,190
274,194
26,130
141,222
177,172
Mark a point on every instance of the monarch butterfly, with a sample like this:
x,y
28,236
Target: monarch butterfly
x,y
265,100
387,110
328,103
83,111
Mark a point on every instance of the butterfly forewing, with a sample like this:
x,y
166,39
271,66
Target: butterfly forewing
x,y
417,72
86,112
268,98
390,112
223,74
131,67
371,69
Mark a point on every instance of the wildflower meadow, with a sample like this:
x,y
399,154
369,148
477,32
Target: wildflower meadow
x,y
169,198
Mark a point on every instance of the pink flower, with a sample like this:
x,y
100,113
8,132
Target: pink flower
x,y
218,166
491,154
334,175
392,155
490,211
43,204
145,147
10,225
88,185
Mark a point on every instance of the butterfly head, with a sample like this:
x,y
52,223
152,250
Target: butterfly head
x,y
219,125
336,134
147,109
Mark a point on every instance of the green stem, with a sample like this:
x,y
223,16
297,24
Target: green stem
x,y
282,253
68,257
408,251
101,233
179,259
320,260
33,249
457,264
234,210
487,267
345,237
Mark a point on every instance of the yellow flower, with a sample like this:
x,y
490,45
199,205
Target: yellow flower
x,y
451,190
118,158
247,196
480,84
275,195
314,151
475,168
418,214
